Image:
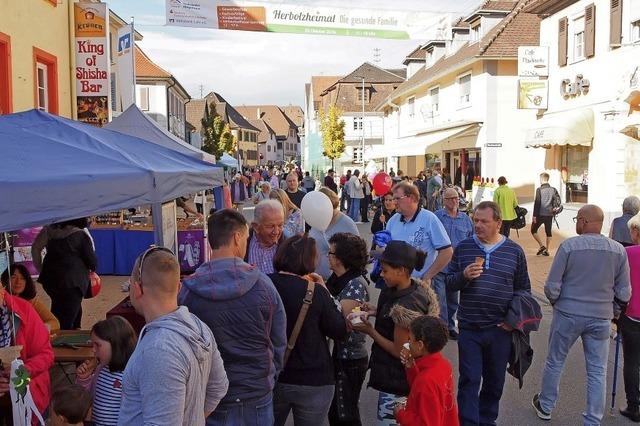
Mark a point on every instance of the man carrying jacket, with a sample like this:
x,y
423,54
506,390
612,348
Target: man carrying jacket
x,y
547,198
243,309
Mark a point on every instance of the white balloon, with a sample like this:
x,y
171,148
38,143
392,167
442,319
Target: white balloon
x,y
317,210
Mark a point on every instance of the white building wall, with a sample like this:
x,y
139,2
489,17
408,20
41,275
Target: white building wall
x,y
157,102
610,73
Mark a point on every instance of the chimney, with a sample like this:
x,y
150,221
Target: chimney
x,y
259,114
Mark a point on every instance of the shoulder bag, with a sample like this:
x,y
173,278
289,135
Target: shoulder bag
x,y
306,302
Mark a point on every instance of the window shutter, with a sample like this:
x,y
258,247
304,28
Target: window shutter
x,y
590,30
114,93
615,35
562,41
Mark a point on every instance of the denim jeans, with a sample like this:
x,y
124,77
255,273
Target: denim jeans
x,y
354,209
438,286
483,355
310,404
453,302
565,330
255,412
630,331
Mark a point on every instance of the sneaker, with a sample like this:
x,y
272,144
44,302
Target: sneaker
x,y
631,414
541,250
535,402
545,252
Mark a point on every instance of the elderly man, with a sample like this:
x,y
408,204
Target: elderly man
x,y
589,275
619,230
459,228
293,191
265,235
488,270
168,384
263,194
247,318
422,229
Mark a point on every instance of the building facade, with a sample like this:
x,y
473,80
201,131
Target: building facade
x,y
313,159
35,65
357,94
287,140
160,95
245,134
459,110
589,133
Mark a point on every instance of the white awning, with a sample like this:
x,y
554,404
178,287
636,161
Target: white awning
x,y
418,144
564,128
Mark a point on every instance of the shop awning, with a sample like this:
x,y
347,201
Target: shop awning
x,y
421,143
563,128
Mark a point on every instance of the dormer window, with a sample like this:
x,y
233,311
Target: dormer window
x,y
476,33
363,93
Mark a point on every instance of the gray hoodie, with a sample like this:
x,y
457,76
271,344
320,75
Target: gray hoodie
x,y
175,374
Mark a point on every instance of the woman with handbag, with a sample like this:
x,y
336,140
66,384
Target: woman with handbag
x,y
64,272
306,384
348,260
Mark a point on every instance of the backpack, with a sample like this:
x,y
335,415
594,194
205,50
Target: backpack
x,y
520,221
556,203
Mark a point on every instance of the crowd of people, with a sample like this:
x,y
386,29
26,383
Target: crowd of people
x,y
278,322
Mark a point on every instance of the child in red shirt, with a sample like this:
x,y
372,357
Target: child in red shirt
x,y
431,400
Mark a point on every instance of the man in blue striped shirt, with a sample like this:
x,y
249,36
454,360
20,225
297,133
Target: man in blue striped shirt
x,y
487,269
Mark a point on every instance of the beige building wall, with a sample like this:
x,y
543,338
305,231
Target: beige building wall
x,y
44,25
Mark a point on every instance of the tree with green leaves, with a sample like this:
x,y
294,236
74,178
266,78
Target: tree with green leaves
x,y
332,129
216,134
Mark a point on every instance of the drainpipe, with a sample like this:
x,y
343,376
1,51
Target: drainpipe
x,y
72,60
169,87
186,138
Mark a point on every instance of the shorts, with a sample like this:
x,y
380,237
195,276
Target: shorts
x,y
547,221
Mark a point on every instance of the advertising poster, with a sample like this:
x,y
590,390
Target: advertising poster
x,y
22,242
533,94
191,247
92,63
308,19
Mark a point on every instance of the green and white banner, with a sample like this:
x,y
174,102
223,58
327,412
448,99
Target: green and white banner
x,y
305,19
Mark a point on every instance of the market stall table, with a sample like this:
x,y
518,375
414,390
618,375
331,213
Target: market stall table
x,y
71,346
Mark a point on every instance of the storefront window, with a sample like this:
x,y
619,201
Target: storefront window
x,y
576,162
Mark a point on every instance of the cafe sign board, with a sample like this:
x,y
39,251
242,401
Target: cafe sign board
x,y
533,61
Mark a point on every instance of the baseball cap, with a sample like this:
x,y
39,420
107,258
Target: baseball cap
x,y
399,253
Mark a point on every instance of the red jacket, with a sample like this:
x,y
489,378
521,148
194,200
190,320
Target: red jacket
x,y
431,400
37,353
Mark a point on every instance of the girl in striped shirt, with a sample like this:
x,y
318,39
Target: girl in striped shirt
x,y
113,343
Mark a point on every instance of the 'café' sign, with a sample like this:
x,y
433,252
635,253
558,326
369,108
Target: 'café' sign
x,y
580,86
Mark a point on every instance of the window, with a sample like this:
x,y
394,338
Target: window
x,y
45,81
577,31
475,32
366,94
434,96
357,154
464,89
635,31
411,106
268,148
5,74
143,93
357,123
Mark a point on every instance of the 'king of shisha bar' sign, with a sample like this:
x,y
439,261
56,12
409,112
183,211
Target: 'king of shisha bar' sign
x,y
92,63
307,19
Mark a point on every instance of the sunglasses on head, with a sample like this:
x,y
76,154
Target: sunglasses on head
x,y
146,253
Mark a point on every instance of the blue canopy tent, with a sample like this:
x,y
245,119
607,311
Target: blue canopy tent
x,y
55,169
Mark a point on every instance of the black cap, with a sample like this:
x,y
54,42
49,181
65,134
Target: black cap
x,y
399,253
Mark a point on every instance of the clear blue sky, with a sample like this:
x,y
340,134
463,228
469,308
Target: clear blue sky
x,y
265,68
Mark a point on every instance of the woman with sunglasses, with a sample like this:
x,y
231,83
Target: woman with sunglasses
x,y
306,384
